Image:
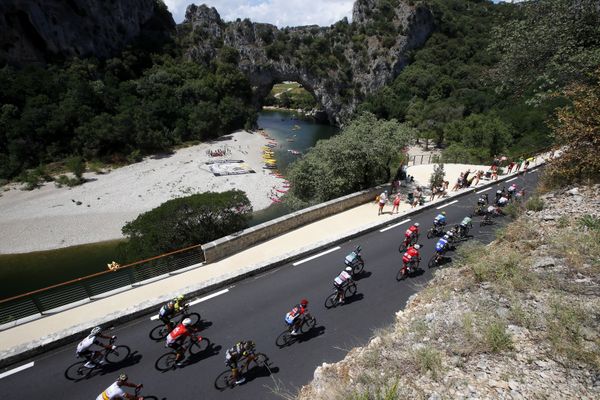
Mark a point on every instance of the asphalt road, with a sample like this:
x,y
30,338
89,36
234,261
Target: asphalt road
x,y
254,309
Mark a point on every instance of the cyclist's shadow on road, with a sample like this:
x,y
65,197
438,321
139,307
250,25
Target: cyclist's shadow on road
x,y
211,350
311,334
353,298
262,371
363,274
134,358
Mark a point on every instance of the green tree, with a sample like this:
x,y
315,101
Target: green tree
x,y
366,153
186,221
437,177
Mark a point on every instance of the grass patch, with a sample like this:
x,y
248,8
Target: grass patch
x,y
535,203
513,210
386,393
496,338
591,222
429,360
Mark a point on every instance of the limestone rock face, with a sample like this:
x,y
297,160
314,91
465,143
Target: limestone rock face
x,y
38,31
356,60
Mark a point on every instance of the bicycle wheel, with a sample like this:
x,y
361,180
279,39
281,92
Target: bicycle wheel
x,y
358,267
159,332
350,291
433,261
259,360
77,371
401,275
430,234
224,380
331,300
308,325
283,339
166,361
119,354
195,317
199,345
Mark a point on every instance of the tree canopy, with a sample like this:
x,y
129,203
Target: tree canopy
x,y
186,221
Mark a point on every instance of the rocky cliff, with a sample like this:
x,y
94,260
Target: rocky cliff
x,y
36,31
339,65
517,319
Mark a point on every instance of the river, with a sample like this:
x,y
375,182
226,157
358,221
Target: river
x,y
21,273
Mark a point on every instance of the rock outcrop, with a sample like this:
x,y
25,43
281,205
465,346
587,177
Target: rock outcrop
x,y
339,65
36,31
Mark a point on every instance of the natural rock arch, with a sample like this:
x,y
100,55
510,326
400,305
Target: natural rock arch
x,y
339,65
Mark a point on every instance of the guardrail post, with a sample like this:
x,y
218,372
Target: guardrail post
x,y
37,304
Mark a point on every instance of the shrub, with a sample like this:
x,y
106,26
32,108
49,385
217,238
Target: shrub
x,y
496,337
535,204
429,359
591,222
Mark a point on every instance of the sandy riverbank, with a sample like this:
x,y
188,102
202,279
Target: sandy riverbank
x,y
50,218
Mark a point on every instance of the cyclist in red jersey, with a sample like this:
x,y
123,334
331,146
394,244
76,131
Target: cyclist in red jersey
x,y
412,254
176,339
411,232
294,317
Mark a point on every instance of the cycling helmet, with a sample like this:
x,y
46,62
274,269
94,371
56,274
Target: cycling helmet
x,y
304,302
446,237
417,246
498,191
416,224
349,269
444,213
122,377
171,304
449,233
249,345
96,331
179,298
187,322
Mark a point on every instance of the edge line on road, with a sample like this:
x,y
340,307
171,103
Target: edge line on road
x,y
316,256
484,190
510,180
15,370
395,225
446,205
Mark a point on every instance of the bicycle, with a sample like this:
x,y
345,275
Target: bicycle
x,y
487,220
435,260
408,270
113,356
161,331
335,299
286,338
253,362
435,231
356,263
407,242
196,345
137,394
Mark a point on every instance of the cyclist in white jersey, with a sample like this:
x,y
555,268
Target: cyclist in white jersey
x,y
115,391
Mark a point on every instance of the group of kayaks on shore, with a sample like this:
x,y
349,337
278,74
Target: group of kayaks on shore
x,y
268,155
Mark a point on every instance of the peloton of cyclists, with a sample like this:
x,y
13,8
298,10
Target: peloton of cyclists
x,y
294,317
177,337
341,282
84,348
169,310
116,392
235,355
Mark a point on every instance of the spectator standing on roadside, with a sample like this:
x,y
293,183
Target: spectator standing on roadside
x,y
526,166
396,204
458,183
519,163
382,201
495,175
510,167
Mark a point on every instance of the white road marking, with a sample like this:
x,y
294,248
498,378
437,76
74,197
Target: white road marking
x,y
14,371
446,205
516,177
484,190
316,256
393,226
210,296
200,300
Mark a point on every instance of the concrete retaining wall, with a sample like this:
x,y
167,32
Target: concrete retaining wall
x,y
229,245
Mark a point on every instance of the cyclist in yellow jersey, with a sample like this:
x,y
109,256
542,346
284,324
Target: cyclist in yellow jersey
x,y
115,391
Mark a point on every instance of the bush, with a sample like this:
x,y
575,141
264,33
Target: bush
x,y
496,337
535,204
429,359
590,222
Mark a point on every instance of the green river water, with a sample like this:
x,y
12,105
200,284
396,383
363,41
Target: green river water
x,y
21,273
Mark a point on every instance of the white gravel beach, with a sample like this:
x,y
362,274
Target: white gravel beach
x,y
50,217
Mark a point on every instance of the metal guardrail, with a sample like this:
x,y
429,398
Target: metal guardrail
x,y
32,305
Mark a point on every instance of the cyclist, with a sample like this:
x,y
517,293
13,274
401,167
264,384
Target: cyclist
x,y
412,254
512,189
465,224
294,317
115,392
498,195
494,211
483,199
84,347
169,310
341,282
411,234
443,244
502,200
176,339
234,355
353,258
440,220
